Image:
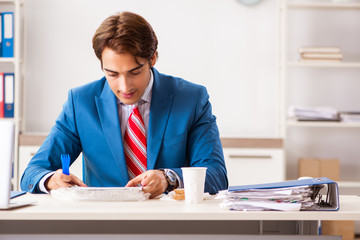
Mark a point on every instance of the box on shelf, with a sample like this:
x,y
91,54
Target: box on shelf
x,y
316,167
344,228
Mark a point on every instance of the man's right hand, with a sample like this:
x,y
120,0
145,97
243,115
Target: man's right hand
x,y
60,180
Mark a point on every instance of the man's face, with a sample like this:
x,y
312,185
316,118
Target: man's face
x,y
126,78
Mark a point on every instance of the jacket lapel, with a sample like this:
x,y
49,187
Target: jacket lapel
x,y
108,112
160,107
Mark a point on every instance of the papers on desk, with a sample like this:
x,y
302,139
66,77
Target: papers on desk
x,y
101,193
286,199
283,196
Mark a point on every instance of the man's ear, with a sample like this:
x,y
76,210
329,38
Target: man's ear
x,y
153,59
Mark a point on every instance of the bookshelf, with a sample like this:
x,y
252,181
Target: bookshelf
x,y
288,64
15,65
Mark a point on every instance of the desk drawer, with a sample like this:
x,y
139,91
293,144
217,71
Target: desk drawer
x,y
252,166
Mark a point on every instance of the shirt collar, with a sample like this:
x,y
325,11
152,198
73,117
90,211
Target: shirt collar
x,y
146,97
147,94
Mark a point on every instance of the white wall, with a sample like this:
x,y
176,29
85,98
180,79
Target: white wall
x,y
221,44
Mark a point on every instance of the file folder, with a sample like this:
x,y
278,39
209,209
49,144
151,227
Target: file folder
x,y
1,95
330,201
9,95
7,27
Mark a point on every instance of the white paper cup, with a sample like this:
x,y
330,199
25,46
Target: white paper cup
x,y
194,183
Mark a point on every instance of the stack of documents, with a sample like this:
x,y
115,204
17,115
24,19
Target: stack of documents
x,y
320,54
283,196
302,113
349,116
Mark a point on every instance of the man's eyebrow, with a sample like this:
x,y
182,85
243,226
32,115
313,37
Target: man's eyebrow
x,y
108,70
140,66
135,68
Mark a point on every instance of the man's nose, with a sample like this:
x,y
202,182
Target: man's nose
x,y
124,84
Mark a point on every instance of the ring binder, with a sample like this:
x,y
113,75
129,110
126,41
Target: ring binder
x,y
320,187
7,33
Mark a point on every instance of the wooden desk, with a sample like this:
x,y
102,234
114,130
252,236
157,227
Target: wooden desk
x,y
49,215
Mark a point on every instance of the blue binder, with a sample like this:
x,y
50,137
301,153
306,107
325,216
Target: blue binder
x,y
1,34
9,95
329,203
7,34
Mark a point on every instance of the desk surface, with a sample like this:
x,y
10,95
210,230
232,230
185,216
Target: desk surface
x,y
48,208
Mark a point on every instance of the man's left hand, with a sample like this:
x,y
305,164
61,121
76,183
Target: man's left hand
x,y
153,182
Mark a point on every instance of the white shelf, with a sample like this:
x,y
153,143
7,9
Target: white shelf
x,y
324,64
294,123
324,5
7,60
7,119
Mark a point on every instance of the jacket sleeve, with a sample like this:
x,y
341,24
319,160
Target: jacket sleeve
x,y
63,138
204,146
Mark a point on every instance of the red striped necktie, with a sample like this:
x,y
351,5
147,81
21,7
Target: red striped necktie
x,y
135,144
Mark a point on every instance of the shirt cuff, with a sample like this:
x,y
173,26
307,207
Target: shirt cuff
x,y
43,180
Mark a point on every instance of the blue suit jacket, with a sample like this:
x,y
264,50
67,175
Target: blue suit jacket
x,y
182,132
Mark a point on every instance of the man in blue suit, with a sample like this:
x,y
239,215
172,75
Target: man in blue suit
x,y
179,127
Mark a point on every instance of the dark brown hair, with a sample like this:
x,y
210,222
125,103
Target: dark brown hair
x,y
126,32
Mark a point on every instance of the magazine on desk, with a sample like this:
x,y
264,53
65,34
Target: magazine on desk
x,y
314,194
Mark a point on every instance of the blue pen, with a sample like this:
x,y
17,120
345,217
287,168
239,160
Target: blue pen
x,y
65,162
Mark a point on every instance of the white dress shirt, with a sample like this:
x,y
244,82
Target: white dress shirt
x,y
124,112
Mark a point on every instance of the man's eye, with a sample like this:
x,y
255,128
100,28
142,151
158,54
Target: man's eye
x,y
112,75
135,73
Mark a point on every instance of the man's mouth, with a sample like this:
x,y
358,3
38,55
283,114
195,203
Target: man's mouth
x,y
127,95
